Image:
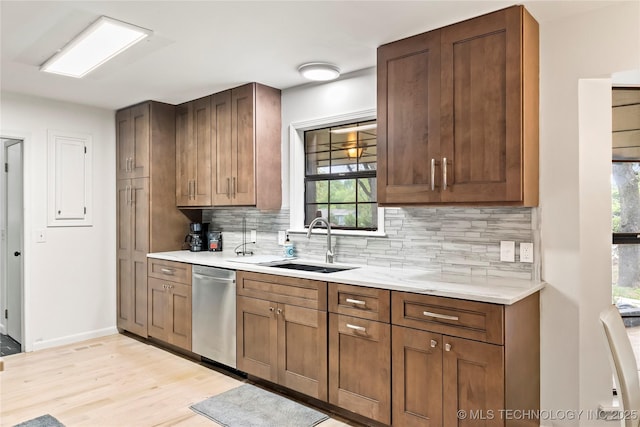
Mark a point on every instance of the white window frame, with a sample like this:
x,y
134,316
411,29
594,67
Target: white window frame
x,y
297,172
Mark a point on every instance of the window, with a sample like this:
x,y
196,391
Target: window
x,y
625,189
340,176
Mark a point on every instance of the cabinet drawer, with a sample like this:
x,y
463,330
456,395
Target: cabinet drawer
x,y
359,301
287,290
466,319
169,270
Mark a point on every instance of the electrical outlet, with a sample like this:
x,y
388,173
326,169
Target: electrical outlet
x,y
526,252
254,236
282,236
507,251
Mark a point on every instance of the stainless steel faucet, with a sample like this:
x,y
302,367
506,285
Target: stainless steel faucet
x,y
329,256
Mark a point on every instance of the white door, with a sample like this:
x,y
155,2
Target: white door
x,y
13,156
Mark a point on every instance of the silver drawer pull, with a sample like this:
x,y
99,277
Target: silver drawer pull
x,y
356,328
355,301
434,343
447,347
167,271
439,316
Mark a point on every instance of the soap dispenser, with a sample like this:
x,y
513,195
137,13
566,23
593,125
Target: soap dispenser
x,y
288,248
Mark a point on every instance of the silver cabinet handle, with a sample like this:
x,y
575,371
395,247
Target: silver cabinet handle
x,y
355,301
195,188
356,328
233,187
127,194
434,343
444,173
133,196
271,309
279,311
167,271
447,347
228,188
439,316
433,174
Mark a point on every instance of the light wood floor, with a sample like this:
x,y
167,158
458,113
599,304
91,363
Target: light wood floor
x,y
110,381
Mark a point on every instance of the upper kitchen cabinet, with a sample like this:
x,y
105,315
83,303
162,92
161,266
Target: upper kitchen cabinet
x,y
458,114
193,153
246,147
132,141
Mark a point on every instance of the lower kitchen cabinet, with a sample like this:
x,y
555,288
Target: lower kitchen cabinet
x,y
451,355
280,341
169,303
360,366
435,376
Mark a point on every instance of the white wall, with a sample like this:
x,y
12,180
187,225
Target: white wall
x,y
575,166
69,279
353,92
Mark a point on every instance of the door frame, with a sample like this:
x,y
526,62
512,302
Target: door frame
x,y
26,182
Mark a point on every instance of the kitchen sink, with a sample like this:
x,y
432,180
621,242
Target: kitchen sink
x,y
311,267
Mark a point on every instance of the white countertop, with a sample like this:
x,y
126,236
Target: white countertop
x,y
498,290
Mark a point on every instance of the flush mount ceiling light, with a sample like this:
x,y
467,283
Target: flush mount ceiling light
x,y
94,46
319,71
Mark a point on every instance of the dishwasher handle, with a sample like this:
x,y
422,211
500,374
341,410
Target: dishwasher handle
x,y
213,278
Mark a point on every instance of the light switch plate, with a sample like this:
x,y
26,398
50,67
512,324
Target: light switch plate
x,y
282,236
526,252
507,251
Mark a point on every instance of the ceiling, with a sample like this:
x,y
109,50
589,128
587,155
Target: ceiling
x,y
203,47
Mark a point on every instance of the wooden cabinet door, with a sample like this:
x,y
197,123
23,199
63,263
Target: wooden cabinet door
x,y
179,314
481,108
360,366
201,150
257,337
183,156
169,312
243,162
409,120
302,350
133,140
159,324
124,289
193,153
133,246
473,380
221,147
417,377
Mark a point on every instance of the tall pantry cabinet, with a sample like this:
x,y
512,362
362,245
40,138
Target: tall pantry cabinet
x,y
147,218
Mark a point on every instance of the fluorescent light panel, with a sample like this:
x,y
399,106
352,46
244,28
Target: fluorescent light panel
x,y
97,44
355,128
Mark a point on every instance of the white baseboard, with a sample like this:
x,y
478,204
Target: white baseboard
x,y
70,339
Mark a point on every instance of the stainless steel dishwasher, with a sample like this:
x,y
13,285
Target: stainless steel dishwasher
x,y
214,314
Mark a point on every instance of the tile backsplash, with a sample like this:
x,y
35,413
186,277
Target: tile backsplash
x,y
448,239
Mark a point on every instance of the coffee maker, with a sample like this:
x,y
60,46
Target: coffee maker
x,y
196,237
